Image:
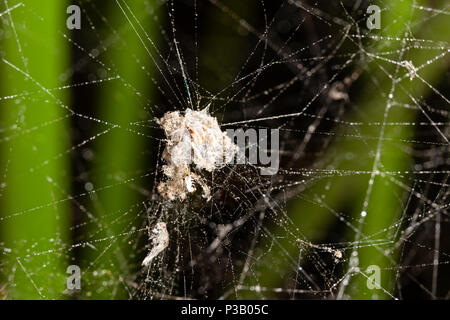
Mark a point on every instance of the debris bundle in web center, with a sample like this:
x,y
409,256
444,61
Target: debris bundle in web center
x,y
194,140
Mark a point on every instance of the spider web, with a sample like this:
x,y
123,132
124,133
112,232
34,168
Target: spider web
x,y
353,126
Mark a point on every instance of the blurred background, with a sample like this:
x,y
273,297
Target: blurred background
x,y
363,116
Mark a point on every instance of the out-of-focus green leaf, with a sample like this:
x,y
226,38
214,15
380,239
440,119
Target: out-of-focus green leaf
x,y
35,56
312,214
121,153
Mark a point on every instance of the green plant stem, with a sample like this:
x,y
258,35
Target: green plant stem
x,y
121,154
313,215
30,223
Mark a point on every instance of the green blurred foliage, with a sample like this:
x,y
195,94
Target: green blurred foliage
x,y
32,154
320,204
122,153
